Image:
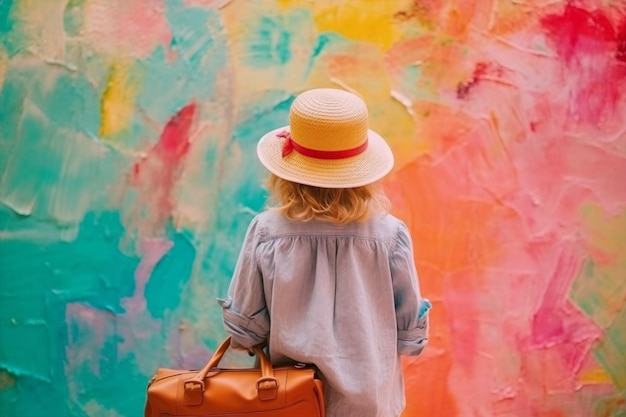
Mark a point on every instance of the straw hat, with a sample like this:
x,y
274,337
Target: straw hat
x,y
327,143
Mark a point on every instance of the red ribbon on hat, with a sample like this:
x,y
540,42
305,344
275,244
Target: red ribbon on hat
x,y
290,145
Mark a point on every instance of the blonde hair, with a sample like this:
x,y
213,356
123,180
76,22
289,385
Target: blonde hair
x,y
337,205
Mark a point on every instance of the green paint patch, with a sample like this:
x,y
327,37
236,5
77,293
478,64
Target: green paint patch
x,y
600,289
73,17
610,406
599,292
7,380
610,351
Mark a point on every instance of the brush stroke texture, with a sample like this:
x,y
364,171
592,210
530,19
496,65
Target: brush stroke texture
x,y
128,178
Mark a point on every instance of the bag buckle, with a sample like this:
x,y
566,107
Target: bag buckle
x,y
194,391
267,388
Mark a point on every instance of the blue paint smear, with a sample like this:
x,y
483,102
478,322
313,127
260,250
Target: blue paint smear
x,y
164,289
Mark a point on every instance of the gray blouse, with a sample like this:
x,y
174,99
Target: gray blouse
x,y
343,297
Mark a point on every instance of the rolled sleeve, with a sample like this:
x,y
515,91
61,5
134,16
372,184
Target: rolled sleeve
x,y
245,312
411,309
247,331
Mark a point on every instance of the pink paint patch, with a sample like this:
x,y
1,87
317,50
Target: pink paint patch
x,y
128,27
620,55
557,325
87,329
209,4
151,250
139,325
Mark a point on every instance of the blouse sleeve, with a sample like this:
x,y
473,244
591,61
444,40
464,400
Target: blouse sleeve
x,y
411,308
245,313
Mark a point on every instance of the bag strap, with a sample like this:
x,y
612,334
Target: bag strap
x,y
266,385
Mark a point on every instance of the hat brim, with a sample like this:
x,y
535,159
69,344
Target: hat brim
x,y
367,167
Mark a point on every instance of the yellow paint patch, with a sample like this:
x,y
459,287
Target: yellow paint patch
x,y
606,234
118,100
595,376
370,21
4,64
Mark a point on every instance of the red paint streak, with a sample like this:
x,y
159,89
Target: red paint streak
x,y
156,174
172,146
579,30
174,142
620,55
592,45
572,30
463,89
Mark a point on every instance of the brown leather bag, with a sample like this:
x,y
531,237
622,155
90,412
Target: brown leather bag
x,y
262,392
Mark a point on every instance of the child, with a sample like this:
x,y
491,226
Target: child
x,y
327,277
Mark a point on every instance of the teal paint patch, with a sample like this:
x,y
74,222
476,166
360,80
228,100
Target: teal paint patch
x,y
72,102
412,83
32,398
56,166
169,277
73,17
271,44
10,36
322,40
117,390
12,97
251,193
238,205
6,22
43,277
190,69
273,37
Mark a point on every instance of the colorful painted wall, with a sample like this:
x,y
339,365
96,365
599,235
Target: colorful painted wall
x,y
128,177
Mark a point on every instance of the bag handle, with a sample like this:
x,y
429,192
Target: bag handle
x,y
266,385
